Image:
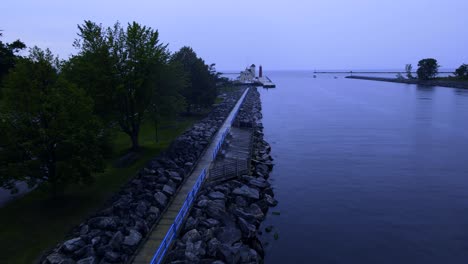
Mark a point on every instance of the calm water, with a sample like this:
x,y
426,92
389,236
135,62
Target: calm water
x,y
367,172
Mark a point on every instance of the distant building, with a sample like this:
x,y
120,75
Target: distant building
x,y
248,75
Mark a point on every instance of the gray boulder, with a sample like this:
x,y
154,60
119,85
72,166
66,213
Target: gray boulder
x,y
230,254
191,223
168,190
109,223
160,199
216,209
229,235
241,202
154,210
270,200
73,244
248,192
248,230
56,258
88,260
192,235
112,256
209,223
132,239
259,182
84,230
216,195
212,247
116,240
202,203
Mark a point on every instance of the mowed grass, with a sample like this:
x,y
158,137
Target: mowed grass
x,y
35,223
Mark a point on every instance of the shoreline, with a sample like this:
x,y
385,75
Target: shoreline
x,y
442,83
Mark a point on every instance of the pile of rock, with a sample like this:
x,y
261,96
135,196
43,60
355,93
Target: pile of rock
x,y
114,233
223,225
250,113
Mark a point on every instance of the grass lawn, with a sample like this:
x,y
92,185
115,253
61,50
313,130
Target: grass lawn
x,y
35,223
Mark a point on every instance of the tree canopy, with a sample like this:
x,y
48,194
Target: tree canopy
x,y
408,70
9,56
93,69
201,88
462,71
49,132
56,116
120,65
427,69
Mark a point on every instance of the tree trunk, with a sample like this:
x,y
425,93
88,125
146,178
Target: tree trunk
x,y
53,181
156,134
135,145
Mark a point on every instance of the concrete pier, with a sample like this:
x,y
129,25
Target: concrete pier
x,y
147,251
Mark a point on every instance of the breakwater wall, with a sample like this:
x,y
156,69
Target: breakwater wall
x,y
443,83
223,224
113,234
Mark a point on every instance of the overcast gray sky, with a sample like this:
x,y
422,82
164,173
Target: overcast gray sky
x,y
290,35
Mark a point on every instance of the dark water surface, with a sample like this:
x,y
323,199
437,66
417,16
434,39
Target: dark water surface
x,y
366,172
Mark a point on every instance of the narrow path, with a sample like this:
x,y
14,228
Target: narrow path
x,y
146,252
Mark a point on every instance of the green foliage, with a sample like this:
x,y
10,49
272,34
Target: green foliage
x,y
8,56
427,69
408,70
93,69
121,67
462,71
167,100
201,88
56,117
49,132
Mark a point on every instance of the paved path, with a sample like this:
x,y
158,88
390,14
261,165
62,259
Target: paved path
x,y
150,247
6,196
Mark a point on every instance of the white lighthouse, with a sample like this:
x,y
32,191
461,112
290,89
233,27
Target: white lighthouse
x,y
248,75
253,70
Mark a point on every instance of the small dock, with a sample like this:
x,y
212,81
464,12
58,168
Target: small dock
x,y
266,82
234,160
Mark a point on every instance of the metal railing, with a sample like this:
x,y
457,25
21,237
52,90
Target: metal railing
x,y
172,232
231,121
179,220
229,168
220,144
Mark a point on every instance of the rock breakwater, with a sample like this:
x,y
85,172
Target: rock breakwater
x,y
223,225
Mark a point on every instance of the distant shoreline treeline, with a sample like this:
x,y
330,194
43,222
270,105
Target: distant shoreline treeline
x,y
56,115
436,82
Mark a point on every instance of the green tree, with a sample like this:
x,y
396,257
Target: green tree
x,y
408,70
462,71
119,65
427,69
201,88
139,56
9,56
49,134
93,69
167,100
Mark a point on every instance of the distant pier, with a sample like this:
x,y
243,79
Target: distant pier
x,y
443,83
249,77
266,82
